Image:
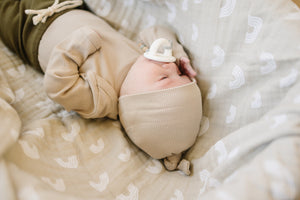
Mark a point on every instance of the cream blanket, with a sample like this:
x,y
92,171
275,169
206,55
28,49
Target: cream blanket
x,y
247,55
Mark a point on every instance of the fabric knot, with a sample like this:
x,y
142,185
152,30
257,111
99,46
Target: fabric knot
x,y
50,11
43,14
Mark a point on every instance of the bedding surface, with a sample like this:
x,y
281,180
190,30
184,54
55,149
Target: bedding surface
x,y
247,56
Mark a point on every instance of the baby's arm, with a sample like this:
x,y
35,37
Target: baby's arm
x,y
63,81
149,35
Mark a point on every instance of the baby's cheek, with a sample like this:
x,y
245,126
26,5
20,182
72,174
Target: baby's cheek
x,y
186,79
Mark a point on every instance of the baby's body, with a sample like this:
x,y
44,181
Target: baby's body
x,y
106,66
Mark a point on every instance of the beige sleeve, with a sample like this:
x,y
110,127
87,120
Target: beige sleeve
x,y
148,36
64,83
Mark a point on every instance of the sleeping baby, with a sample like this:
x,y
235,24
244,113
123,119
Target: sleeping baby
x,y
92,69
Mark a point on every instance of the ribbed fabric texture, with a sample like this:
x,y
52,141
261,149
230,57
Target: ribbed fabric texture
x,y
164,122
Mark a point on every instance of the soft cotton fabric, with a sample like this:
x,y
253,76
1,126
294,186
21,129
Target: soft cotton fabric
x,y
20,34
249,143
165,122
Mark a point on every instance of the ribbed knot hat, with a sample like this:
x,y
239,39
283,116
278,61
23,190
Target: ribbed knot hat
x,y
162,122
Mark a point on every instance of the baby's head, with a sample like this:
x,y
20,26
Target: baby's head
x,y
160,108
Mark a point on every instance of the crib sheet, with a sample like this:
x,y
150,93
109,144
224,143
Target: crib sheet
x,y
247,57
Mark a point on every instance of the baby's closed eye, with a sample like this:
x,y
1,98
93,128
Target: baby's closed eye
x,y
163,77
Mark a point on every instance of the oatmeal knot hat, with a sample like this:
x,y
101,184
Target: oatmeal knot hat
x,y
162,122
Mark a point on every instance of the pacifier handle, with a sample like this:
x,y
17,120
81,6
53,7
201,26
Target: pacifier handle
x,y
166,56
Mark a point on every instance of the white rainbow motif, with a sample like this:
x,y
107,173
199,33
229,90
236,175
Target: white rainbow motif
x,y
185,4
204,177
45,103
223,154
125,156
195,33
282,185
207,181
102,184
290,79
231,114
256,102
18,72
239,78
154,167
271,64
222,151
178,195
38,79
57,184
39,132
150,21
72,162
278,120
98,147
75,129
219,57
297,99
212,91
227,8
64,114
28,192
133,193
29,150
256,24
104,9
19,94
172,12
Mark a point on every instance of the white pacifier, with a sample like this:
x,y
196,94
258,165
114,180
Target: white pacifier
x,y
154,54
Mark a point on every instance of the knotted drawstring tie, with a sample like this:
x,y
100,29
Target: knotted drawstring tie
x,y
43,14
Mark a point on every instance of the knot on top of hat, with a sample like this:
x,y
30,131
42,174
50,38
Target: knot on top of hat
x,y
43,14
154,54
